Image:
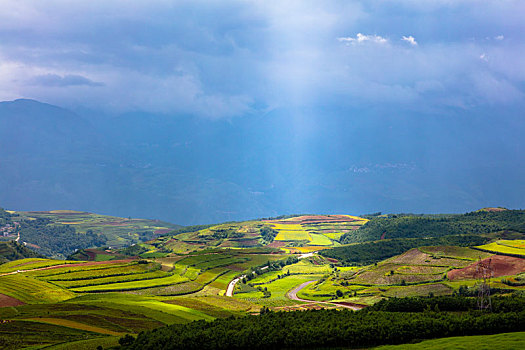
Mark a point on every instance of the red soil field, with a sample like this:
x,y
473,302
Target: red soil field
x,y
162,231
277,244
6,301
501,266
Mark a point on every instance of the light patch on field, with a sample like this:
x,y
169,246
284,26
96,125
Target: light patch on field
x,y
75,325
333,235
317,239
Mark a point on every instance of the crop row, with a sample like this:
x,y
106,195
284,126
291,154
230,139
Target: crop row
x,y
112,279
108,271
219,263
30,290
133,285
30,264
197,259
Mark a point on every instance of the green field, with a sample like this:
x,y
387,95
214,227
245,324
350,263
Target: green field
x,y
110,280
31,290
31,264
317,239
133,285
183,278
507,341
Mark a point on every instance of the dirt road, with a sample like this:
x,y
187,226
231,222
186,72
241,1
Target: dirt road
x,y
231,286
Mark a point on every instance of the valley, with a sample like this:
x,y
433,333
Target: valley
x,y
234,269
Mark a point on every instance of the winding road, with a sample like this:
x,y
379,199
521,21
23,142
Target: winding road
x,y
292,294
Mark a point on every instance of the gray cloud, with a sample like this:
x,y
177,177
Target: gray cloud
x,y
227,58
55,80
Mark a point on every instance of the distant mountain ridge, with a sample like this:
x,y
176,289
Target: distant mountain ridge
x,y
189,170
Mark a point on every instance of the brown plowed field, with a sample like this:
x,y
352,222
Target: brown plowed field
x,y
6,301
277,244
501,266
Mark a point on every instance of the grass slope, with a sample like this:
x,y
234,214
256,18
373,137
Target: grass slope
x,y
506,341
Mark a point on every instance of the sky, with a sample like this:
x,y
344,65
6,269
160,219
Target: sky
x,y
296,106
227,59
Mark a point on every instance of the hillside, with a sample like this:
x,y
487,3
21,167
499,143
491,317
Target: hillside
x,y
59,233
12,250
289,263
120,232
414,226
296,234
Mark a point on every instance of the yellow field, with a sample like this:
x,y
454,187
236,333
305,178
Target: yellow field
x,y
505,247
293,236
517,243
309,249
292,232
288,227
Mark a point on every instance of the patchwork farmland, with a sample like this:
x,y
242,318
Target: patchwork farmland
x,y
182,277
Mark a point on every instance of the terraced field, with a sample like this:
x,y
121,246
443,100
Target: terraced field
x,y
30,290
320,231
418,272
316,230
99,300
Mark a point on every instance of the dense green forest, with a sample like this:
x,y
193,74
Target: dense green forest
x,y
57,240
514,303
372,252
413,226
333,328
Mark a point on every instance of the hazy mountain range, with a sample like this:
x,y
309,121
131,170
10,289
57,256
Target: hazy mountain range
x,y
189,170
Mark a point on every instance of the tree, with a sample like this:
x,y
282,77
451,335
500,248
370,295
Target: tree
x,y
128,339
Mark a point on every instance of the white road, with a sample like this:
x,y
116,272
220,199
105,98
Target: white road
x,y
231,285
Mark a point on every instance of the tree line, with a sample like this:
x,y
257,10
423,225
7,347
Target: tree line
x,y
333,328
415,226
372,252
